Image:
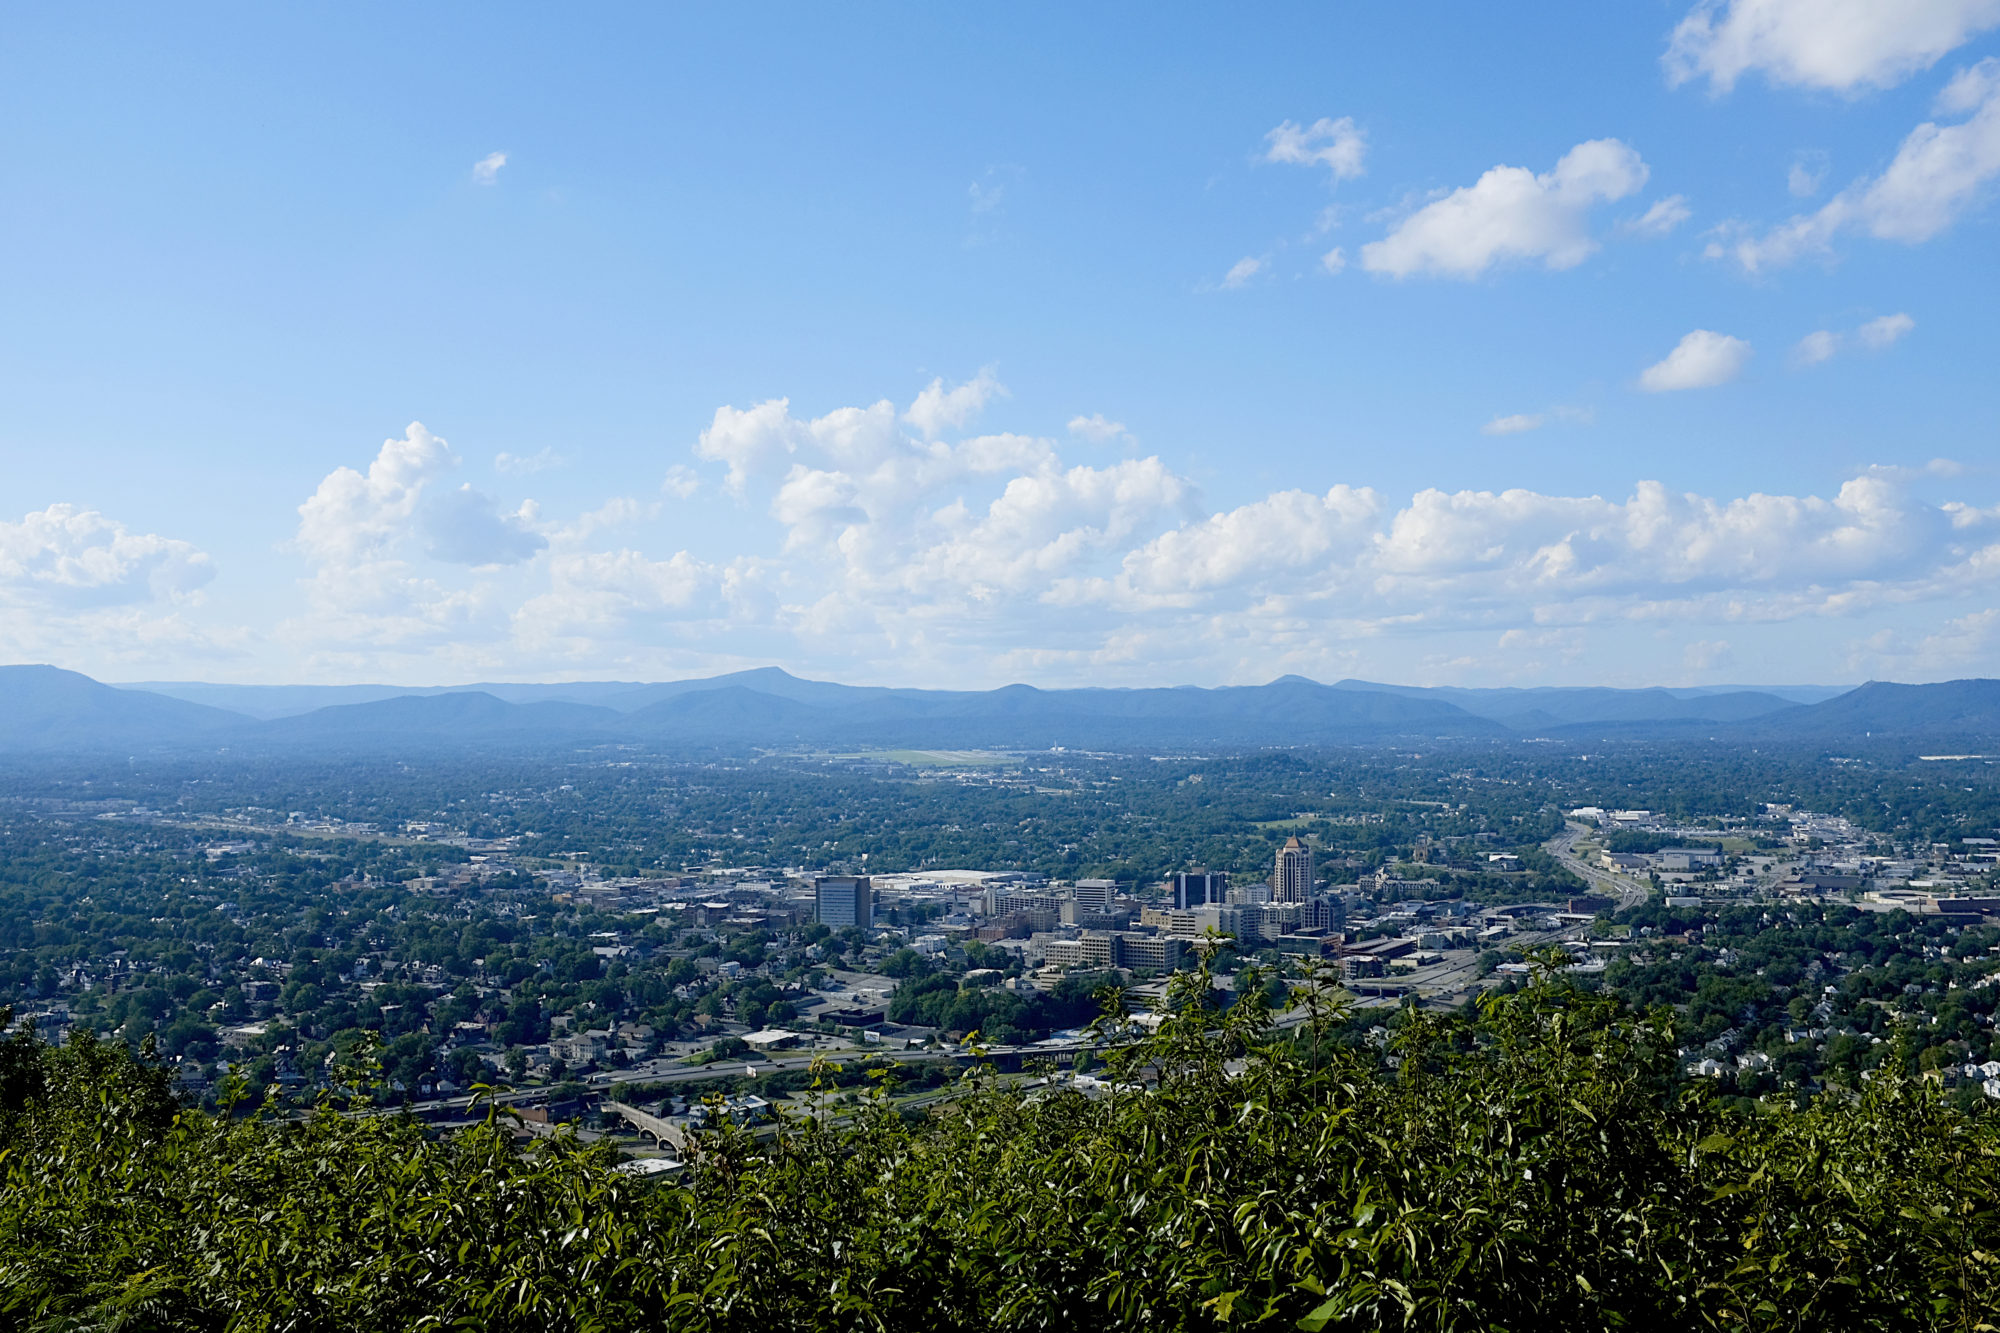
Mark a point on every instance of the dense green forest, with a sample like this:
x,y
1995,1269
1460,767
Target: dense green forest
x,y
1535,1163
1062,814
1817,995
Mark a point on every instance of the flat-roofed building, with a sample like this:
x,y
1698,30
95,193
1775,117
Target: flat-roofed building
x,y
1002,901
1189,925
1161,953
1095,895
771,1039
1092,949
844,900
1688,858
1199,888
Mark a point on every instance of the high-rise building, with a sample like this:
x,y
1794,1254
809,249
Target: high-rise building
x,y
1292,878
844,900
1095,895
1199,888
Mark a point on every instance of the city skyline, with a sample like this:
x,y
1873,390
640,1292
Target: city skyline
x,y
1121,348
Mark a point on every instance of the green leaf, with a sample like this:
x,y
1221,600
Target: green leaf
x,y
1321,1316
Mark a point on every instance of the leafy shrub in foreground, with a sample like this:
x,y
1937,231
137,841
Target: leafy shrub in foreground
x,y
1536,1165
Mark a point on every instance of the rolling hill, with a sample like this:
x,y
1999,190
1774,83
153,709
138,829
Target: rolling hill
x,y
45,708
432,719
1954,709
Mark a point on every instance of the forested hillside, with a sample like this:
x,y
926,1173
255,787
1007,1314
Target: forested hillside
x,y
1536,1164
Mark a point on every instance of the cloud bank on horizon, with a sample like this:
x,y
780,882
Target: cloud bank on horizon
x,y
940,530
905,537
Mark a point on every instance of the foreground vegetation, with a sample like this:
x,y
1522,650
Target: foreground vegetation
x,y
1534,1164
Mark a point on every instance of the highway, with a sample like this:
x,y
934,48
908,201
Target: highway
x,y
1455,978
1629,892
663,1071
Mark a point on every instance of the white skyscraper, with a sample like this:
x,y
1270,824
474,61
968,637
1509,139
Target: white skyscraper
x,y
1292,877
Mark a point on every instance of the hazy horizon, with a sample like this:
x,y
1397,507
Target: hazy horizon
x,y
901,685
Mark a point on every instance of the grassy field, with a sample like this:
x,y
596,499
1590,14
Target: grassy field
x,y
939,758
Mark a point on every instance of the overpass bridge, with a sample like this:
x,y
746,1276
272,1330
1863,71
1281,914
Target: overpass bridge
x,y
663,1133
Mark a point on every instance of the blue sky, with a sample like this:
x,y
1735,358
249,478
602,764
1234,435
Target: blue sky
x,y
1630,344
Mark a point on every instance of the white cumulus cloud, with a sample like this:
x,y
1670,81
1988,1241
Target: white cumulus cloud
x,y
1514,424
1701,360
938,409
487,169
467,527
1097,428
1658,539
1282,532
362,531
1045,524
1938,173
1963,645
1337,145
1511,213
69,558
750,440
621,596
353,516
1838,45
870,547
932,549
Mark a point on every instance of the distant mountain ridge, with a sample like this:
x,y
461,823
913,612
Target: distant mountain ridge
x,y
624,696
729,713
1556,707
1561,704
1964,709
45,708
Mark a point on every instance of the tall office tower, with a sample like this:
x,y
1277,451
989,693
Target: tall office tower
x,y
1095,895
844,900
1199,888
1292,879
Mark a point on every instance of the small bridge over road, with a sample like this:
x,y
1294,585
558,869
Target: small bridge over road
x,y
663,1133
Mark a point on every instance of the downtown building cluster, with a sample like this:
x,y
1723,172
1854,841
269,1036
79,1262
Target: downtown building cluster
x,y
1096,924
